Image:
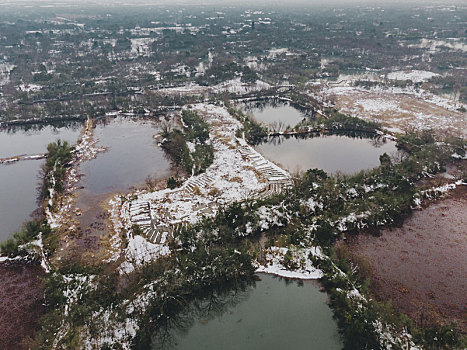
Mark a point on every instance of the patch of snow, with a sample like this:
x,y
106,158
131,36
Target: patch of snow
x,y
417,76
140,252
274,257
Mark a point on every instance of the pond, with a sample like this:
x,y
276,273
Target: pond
x,y
131,157
274,314
274,113
18,192
34,138
331,153
18,195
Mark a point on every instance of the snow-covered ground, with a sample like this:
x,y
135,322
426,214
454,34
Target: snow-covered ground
x,y
435,192
139,251
433,44
399,109
5,69
141,46
29,87
416,76
235,86
237,173
276,264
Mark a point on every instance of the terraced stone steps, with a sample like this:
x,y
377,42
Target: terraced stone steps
x,y
140,214
197,182
159,230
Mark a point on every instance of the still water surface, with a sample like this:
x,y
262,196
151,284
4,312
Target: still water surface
x,y
131,157
275,314
274,113
33,139
331,153
18,195
19,181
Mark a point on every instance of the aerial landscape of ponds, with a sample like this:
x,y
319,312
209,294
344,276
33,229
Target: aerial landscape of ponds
x,y
332,153
132,156
276,313
255,317
20,180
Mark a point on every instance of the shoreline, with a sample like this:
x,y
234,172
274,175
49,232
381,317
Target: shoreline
x,y
431,296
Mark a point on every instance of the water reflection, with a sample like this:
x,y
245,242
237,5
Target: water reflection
x,y
20,180
174,327
275,113
34,138
18,195
274,313
347,153
131,157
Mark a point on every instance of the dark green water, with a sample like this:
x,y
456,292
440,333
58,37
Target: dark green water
x,y
274,314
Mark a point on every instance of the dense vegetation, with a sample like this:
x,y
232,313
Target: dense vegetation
x,y
219,252
58,158
17,245
196,131
252,131
110,71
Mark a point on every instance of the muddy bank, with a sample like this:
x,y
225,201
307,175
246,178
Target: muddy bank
x,y
421,266
21,303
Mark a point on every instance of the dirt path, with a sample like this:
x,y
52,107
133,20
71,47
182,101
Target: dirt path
x,y
422,266
21,303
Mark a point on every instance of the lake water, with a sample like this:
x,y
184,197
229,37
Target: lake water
x,y
19,181
33,139
18,195
331,153
274,314
131,157
274,113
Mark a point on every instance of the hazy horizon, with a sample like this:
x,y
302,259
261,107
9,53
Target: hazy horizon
x,y
230,2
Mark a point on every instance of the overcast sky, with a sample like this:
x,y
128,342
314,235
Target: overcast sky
x,y
226,2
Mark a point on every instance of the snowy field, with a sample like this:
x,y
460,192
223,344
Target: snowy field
x,y
400,109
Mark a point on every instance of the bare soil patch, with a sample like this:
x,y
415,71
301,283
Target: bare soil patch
x,y
402,112
87,225
422,266
21,303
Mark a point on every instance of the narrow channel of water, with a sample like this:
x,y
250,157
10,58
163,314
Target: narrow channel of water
x,y
331,153
131,157
274,113
274,314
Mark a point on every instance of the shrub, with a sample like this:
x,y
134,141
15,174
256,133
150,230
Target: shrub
x,y
173,182
198,129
